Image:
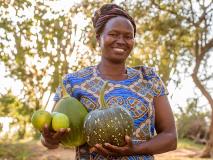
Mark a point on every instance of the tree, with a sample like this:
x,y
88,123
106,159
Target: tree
x,y
198,23
37,48
191,122
154,46
11,106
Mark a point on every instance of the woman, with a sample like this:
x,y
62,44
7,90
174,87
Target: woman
x,y
140,91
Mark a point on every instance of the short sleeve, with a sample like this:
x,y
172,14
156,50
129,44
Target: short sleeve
x,y
154,81
159,88
58,94
66,82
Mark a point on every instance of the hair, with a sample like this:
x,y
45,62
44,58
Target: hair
x,y
107,12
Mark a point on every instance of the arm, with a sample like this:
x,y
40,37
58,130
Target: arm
x,y
166,138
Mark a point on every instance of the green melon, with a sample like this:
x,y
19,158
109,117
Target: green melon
x,y
76,113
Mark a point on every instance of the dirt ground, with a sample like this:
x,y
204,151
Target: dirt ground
x,y
41,153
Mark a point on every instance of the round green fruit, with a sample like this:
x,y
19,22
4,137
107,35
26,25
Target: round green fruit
x,y
59,121
40,118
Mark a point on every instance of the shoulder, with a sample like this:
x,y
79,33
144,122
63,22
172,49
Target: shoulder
x,y
78,77
153,79
147,72
85,72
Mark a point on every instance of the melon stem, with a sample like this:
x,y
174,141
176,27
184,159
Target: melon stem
x,y
101,97
64,92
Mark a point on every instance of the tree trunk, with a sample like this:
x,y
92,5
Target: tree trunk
x,y
208,151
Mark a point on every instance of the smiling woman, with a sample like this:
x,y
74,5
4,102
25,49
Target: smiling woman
x,y
117,40
140,91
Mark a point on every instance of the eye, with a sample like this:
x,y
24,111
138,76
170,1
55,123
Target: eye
x,y
113,34
129,37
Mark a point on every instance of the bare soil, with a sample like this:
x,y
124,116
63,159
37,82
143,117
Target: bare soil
x,y
41,153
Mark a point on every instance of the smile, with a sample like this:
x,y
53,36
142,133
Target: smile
x,y
119,49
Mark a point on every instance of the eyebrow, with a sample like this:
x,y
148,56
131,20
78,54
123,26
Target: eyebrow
x,y
116,30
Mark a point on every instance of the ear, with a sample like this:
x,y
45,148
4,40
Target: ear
x,y
98,39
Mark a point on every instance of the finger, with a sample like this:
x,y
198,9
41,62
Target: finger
x,y
46,131
92,149
64,132
59,134
113,148
101,150
128,141
68,130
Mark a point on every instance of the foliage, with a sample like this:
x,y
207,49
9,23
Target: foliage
x,y
40,47
192,122
10,106
155,46
197,19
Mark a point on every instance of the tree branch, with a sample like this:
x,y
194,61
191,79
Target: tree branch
x,y
192,12
202,89
170,11
207,47
195,78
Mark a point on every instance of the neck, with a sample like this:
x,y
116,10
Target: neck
x,y
112,68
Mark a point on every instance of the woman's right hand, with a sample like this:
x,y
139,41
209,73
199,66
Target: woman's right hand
x,y
50,138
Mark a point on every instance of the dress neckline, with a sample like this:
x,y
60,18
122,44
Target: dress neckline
x,y
129,71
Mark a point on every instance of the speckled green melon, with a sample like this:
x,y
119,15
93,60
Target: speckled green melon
x,y
108,124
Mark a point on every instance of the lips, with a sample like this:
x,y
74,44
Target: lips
x,y
119,49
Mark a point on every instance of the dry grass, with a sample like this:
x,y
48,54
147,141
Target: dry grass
x,y
186,150
33,150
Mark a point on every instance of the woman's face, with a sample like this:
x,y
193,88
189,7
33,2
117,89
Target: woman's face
x,y
117,40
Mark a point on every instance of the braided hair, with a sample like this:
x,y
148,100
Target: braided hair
x,y
105,13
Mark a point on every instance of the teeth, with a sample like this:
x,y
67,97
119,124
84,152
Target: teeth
x,y
119,49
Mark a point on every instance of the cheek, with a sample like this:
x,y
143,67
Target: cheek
x,y
131,43
104,42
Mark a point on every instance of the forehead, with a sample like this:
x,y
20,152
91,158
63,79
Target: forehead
x,y
119,24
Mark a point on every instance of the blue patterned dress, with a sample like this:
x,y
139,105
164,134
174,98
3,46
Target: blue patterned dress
x,y
135,93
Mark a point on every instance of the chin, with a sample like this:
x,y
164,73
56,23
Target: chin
x,y
117,61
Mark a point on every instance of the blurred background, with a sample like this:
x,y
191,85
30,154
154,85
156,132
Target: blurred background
x,y
40,41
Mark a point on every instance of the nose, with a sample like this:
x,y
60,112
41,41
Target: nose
x,y
121,40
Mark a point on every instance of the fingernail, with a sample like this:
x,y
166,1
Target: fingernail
x,y
62,129
106,144
92,149
97,145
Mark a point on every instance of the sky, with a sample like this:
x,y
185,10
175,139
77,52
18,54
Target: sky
x,y
179,95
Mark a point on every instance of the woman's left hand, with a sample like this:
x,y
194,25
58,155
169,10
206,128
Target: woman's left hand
x,y
111,150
